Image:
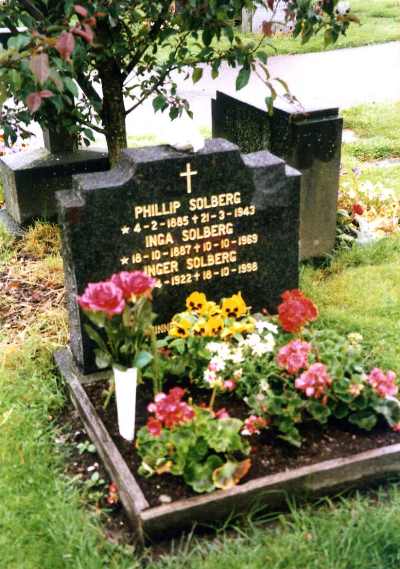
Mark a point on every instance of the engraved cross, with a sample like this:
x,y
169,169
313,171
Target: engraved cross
x,y
188,175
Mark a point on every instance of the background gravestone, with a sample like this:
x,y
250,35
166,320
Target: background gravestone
x,y
308,140
31,178
216,221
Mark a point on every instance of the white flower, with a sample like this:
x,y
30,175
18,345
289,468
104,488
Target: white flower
x,y
343,8
264,385
216,364
262,325
213,347
210,376
221,349
261,349
270,340
253,340
236,356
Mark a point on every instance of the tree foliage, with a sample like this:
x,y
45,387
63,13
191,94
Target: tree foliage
x,y
86,66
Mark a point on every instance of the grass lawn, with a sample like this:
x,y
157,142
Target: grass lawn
x,y
380,22
49,520
46,515
377,128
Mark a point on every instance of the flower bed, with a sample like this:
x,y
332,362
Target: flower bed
x,y
229,399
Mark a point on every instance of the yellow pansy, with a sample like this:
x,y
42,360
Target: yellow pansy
x,y
215,325
180,329
200,328
243,327
212,309
235,306
196,302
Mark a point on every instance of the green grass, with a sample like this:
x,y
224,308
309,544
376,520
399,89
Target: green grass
x,y
378,127
44,521
380,23
354,534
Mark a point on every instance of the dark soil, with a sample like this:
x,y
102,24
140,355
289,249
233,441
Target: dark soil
x,y
269,454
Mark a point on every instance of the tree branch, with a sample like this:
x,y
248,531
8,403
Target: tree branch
x,y
32,9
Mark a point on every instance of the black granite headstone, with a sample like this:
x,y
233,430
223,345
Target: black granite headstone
x,y
307,139
31,179
216,221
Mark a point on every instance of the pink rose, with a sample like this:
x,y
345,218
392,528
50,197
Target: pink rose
x,y
134,283
102,297
294,356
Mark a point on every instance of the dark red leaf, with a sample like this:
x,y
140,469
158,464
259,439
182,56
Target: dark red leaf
x,y
65,45
81,10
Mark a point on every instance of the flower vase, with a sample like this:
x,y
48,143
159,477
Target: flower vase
x,y
125,392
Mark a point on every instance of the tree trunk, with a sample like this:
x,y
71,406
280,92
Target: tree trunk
x,y
113,112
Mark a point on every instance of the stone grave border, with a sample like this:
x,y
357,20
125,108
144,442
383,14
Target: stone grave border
x,y
320,479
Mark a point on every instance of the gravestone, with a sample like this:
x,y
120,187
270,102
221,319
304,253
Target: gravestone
x,y
31,179
309,140
215,221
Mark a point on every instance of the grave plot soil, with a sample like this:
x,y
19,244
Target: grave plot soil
x,y
270,455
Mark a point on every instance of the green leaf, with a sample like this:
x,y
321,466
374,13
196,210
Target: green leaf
x,y
197,74
71,86
142,359
199,476
103,359
160,103
364,419
243,77
95,336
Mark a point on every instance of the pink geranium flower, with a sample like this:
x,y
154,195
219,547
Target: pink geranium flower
x,y
154,426
253,425
134,283
383,384
222,414
103,297
314,381
170,410
294,356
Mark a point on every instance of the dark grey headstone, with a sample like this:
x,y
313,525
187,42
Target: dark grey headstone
x,y
309,140
114,221
31,178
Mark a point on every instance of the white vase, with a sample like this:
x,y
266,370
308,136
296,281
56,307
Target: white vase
x,y
125,392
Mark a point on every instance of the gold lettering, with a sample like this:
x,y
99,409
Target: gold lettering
x,y
221,258
162,328
158,239
210,202
206,232
159,269
156,209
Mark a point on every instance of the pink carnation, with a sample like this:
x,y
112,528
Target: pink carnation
x,y
102,297
134,283
382,384
294,356
314,381
396,428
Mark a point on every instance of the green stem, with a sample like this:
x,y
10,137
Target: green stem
x,y
212,400
157,382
